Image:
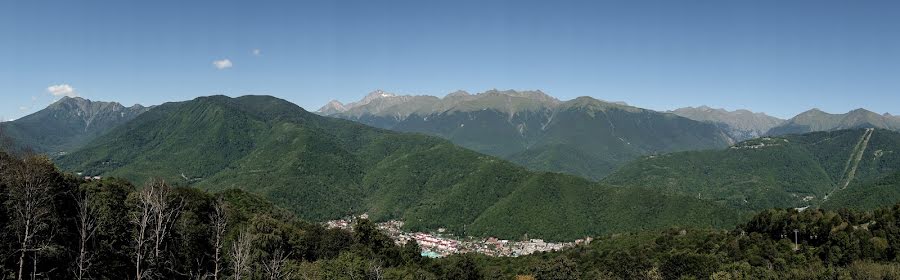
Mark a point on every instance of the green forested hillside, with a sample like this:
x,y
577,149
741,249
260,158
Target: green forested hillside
x,y
584,136
323,168
110,229
789,171
867,196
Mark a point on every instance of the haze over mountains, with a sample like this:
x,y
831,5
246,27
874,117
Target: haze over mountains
x,y
816,120
739,124
68,123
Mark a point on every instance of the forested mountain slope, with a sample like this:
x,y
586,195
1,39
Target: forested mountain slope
x,y
583,136
67,124
323,168
789,171
110,229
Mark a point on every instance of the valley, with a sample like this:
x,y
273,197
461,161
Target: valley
x,y
442,204
449,140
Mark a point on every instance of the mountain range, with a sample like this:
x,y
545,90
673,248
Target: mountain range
x,y
739,124
584,136
816,120
679,168
67,124
323,168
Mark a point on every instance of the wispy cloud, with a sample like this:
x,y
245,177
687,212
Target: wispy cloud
x,y
222,64
256,52
62,90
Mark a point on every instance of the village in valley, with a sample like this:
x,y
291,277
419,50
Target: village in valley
x,y
441,244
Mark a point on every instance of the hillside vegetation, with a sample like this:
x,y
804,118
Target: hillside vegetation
x,y
58,226
584,136
323,168
789,171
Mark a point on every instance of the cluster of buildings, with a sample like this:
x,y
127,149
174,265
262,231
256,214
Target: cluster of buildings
x,y
762,143
440,244
89,178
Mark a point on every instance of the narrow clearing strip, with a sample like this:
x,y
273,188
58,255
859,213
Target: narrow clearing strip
x,y
853,162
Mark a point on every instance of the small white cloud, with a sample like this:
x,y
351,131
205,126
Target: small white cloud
x,y
222,64
62,90
257,52
23,108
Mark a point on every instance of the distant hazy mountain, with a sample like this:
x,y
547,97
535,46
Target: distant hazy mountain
x,y
323,168
816,120
739,124
584,136
67,124
834,168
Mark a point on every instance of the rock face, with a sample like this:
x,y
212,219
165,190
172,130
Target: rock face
x,y
68,124
817,120
739,124
583,136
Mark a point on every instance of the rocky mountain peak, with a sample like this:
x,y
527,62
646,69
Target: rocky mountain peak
x,y
458,93
333,106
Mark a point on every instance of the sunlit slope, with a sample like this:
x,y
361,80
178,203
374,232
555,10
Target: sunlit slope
x,y
324,168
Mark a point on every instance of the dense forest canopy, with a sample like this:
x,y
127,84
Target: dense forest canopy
x,y
57,226
324,168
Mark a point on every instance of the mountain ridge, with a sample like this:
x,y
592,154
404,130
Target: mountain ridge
x,y
539,131
818,120
325,168
740,124
68,123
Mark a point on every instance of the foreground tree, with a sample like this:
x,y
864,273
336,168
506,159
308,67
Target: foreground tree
x,y
87,227
219,224
241,262
30,204
157,208
276,266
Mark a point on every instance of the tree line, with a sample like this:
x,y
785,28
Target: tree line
x,y
56,225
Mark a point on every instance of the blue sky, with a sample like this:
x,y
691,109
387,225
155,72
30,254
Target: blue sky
x,y
779,57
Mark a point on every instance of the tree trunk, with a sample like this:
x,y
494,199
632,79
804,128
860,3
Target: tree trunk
x,y
24,248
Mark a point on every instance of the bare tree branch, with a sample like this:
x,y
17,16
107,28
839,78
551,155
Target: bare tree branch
x,y
157,210
276,267
30,203
240,255
219,220
87,226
